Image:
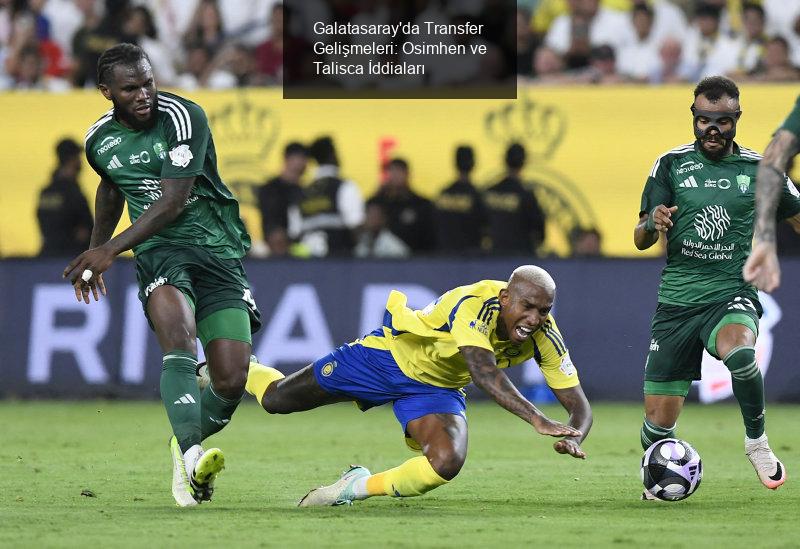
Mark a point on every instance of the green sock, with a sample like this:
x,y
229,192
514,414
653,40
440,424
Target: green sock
x,y
651,433
216,411
748,388
181,396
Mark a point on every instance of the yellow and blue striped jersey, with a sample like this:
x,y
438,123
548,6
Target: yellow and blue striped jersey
x,y
425,343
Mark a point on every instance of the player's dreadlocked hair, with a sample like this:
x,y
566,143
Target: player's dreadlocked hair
x,y
121,54
714,87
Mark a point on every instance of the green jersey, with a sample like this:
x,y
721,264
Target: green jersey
x,y
178,145
713,226
792,122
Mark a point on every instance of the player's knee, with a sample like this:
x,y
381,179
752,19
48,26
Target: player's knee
x,y
274,404
447,462
231,385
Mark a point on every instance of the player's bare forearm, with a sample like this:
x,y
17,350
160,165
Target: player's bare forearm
x,y
577,406
162,212
108,204
494,382
770,178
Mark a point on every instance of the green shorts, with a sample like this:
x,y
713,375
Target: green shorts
x,y
208,282
679,335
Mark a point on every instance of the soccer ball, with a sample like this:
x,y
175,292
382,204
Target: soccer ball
x,y
671,469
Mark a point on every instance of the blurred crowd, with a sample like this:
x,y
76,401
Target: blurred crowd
x,y
657,41
218,44
54,44
312,209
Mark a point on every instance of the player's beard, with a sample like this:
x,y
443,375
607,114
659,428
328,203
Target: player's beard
x,y
719,154
130,119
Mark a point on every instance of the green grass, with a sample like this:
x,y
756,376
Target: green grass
x,y
513,491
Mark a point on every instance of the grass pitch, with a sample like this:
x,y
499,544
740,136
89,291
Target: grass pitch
x,y
514,490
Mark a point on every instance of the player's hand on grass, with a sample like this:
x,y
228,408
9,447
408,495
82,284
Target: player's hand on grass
x,y
662,217
546,426
85,273
569,446
762,269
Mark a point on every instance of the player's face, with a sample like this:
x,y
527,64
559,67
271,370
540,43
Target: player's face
x,y
132,89
712,141
523,309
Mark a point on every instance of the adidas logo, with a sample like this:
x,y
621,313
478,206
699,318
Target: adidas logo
x,y
741,303
115,163
186,399
689,182
221,422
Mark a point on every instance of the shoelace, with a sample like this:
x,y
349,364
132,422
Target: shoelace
x,y
763,458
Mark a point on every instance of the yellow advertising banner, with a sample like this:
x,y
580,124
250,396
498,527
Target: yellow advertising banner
x,y
590,149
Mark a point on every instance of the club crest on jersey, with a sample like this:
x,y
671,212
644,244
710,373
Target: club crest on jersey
x,y
744,182
513,351
160,150
327,370
181,156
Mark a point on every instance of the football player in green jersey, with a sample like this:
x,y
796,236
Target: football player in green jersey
x,y
154,151
762,268
701,197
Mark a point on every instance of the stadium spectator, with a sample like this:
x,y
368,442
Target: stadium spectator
x,y
709,50
668,19
269,54
776,65
585,242
138,28
548,66
602,68
200,71
63,212
588,24
172,19
375,239
640,58
246,21
516,221
783,19
205,28
237,61
410,216
460,214
97,34
331,208
66,18
752,41
283,191
672,67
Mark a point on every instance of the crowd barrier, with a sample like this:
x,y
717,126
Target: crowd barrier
x,y
53,346
591,149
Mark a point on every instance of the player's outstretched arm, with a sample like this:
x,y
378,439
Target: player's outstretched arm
x,y
651,225
762,268
494,382
108,204
162,212
580,416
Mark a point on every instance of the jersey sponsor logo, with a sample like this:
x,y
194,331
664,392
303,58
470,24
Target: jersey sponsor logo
x,y
566,366
689,166
114,164
480,327
141,158
108,143
689,183
654,345
743,181
712,222
181,156
328,368
160,281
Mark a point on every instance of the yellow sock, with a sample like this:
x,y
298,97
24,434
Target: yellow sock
x,y
259,378
412,478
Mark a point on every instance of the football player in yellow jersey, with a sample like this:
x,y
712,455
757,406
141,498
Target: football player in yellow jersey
x,y
420,361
